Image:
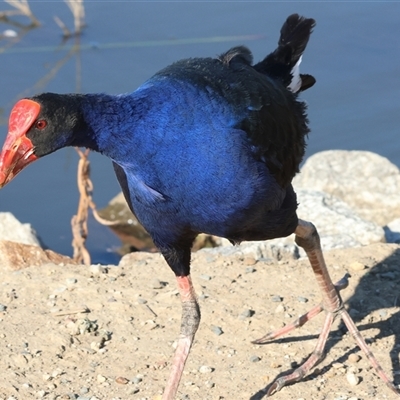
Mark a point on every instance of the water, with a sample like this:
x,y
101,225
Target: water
x,y
354,53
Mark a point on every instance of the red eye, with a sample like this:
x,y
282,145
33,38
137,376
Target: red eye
x,y
41,124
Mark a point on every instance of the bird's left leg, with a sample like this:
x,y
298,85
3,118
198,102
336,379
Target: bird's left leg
x,y
190,318
308,238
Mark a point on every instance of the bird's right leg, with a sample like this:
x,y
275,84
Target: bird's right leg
x,y
189,322
300,321
308,238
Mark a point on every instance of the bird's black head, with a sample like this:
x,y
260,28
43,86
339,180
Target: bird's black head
x,y
38,126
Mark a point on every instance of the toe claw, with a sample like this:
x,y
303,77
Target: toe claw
x,y
275,387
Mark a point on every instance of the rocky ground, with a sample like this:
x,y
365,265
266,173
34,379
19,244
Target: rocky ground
x,y
80,332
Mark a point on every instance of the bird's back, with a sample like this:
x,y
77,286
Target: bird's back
x,y
231,92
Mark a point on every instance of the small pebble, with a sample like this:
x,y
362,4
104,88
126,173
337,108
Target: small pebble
x,y
249,261
97,269
275,364
209,384
57,372
382,313
280,308
46,377
205,277
205,369
246,314
101,378
388,275
354,358
137,379
141,300
255,359
302,299
121,380
217,330
71,281
276,299
156,284
353,312
3,307
357,266
84,390
352,379
250,270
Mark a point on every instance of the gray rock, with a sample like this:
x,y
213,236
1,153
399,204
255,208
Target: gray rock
x,y
392,231
13,230
217,330
338,225
276,249
368,182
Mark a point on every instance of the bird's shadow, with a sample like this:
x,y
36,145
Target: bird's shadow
x,y
376,291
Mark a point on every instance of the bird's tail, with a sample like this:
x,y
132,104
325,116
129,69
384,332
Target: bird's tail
x,y
283,64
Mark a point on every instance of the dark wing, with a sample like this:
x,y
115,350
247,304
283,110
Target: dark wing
x,y
276,121
270,114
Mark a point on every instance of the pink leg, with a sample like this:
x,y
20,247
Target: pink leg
x,y
189,324
307,237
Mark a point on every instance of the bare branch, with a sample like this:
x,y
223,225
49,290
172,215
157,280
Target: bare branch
x,y
23,8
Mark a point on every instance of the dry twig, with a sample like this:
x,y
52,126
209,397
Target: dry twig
x,y
22,8
78,12
79,221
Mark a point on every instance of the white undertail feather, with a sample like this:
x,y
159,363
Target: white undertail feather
x,y
295,84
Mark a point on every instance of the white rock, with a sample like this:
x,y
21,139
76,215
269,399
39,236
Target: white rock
x,y
10,33
205,369
392,231
366,181
353,379
13,230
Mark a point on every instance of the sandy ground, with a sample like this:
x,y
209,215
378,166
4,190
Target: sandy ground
x,y
121,347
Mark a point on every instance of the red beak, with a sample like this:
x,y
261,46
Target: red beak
x,y
18,150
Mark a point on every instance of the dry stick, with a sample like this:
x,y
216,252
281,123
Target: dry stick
x,y
66,31
69,312
79,221
23,8
78,12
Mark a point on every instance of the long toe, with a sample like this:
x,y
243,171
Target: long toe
x,y
339,285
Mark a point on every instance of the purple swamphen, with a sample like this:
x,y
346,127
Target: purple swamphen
x,y
206,145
